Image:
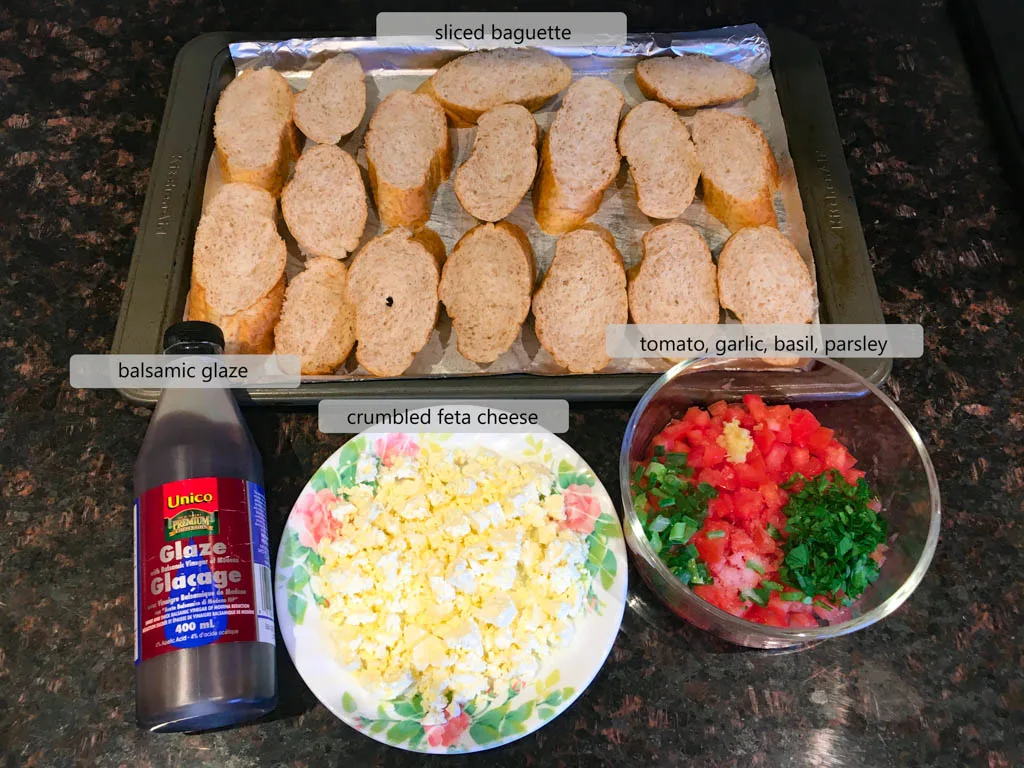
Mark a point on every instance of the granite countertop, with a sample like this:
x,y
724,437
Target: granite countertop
x,y
82,88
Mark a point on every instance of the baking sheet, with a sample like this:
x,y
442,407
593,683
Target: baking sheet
x,y
393,68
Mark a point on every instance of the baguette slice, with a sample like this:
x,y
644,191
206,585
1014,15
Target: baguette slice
x,y
249,331
738,167
675,283
472,84
317,322
392,284
333,103
238,255
253,128
409,155
499,172
763,279
485,287
237,196
661,157
579,159
324,204
583,292
693,80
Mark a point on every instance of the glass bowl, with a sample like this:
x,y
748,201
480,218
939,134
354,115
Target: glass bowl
x,y
865,420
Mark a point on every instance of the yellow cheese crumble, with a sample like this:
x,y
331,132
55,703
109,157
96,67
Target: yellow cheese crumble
x,y
736,440
453,577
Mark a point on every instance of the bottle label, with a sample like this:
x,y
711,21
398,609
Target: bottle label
x,y
202,566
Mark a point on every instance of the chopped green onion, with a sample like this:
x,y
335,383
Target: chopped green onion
x,y
655,469
718,533
774,532
755,566
659,524
774,586
659,450
792,597
656,543
823,604
639,502
669,502
757,595
638,473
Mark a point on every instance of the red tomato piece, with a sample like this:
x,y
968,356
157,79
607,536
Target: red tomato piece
x,y
696,417
749,476
726,598
721,507
819,439
764,439
728,481
711,550
802,424
802,621
714,454
776,458
748,503
766,616
798,458
758,410
718,408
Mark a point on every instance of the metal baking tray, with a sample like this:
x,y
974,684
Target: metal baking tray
x,y
158,278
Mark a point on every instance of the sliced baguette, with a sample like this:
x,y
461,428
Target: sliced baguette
x,y
237,196
392,283
409,155
485,287
583,292
661,157
333,103
499,172
763,279
675,282
317,322
693,80
738,168
249,331
579,159
253,128
324,204
472,84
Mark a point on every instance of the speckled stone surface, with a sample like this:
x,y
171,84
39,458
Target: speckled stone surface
x,y
82,87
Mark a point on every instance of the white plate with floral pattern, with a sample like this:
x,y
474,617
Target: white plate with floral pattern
x,y
497,717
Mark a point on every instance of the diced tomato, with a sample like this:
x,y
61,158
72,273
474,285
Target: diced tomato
x,y
774,497
784,435
802,424
710,476
764,439
736,413
726,598
695,457
819,439
721,507
696,417
853,475
714,454
766,616
776,458
747,502
758,410
802,621
749,476
728,481
741,542
763,543
712,550
837,457
718,408
696,437
798,458
813,467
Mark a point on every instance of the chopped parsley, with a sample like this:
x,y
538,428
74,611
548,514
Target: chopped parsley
x,y
831,533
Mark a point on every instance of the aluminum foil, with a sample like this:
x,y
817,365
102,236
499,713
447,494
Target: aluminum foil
x,y
392,68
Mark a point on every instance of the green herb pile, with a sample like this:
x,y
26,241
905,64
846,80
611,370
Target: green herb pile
x,y
677,515
831,534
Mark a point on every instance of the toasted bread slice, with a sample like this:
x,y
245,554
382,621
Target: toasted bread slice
x,y
499,172
409,155
249,331
253,128
485,287
661,157
693,80
763,279
472,84
333,102
324,204
739,170
675,283
392,284
317,322
583,292
579,159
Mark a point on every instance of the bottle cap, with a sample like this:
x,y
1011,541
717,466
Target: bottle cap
x,y
193,332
